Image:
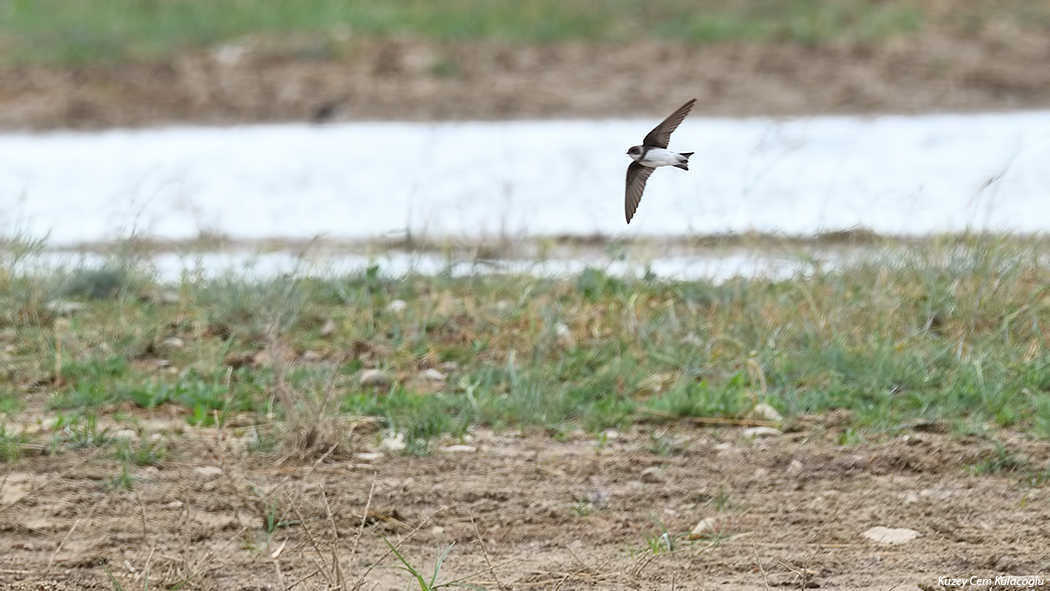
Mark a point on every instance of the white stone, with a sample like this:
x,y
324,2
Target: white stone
x,y
374,377
886,535
208,472
432,375
328,329
765,412
653,475
397,306
760,432
704,528
168,298
565,337
65,308
393,444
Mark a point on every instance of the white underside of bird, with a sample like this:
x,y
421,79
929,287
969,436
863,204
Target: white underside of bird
x,y
656,157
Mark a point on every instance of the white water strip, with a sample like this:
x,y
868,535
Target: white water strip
x,y
358,181
715,266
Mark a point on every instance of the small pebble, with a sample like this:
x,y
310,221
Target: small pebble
x,y
328,329
653,475
208,472
374,378
890,536
760,432
765,412
432,375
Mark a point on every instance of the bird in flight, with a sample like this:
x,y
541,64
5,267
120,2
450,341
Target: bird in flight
x,y
651,154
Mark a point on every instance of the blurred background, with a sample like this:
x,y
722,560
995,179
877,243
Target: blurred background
x,y
103,63
461,123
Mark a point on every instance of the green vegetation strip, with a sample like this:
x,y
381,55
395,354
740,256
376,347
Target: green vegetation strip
x,y
85,31
953,331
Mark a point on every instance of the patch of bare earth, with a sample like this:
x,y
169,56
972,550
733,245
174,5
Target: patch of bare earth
x,y
530,513
999,68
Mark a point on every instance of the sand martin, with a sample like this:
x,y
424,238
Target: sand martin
x,y
653,153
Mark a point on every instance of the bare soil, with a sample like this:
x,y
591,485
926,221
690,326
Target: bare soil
x,y
997,68
786,511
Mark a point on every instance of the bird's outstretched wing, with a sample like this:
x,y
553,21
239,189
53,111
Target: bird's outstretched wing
x,y
660,136
636,177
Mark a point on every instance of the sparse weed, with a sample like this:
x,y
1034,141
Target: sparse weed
x,y
1002,460
81,432
660,540
144,453
424,584
125,479
271,521
1038,478
247,309
721,500
9,404
849,437
662,444
660,543
582,508
601,442
117,585
262,440
97,283
10,445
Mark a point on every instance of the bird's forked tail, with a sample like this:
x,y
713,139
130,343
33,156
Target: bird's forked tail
x,y
684,164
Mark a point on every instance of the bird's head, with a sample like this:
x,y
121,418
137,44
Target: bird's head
x,y
635,152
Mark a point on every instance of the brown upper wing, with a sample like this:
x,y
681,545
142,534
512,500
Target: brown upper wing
x,y
660,136
636,177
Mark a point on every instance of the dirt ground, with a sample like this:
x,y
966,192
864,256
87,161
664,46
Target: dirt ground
x,y
999,68
785,511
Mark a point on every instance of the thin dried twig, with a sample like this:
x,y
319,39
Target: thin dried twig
x,y
761,569
51,560
145,540
304,578
364,518
313,542
710,420
339,579
481,542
